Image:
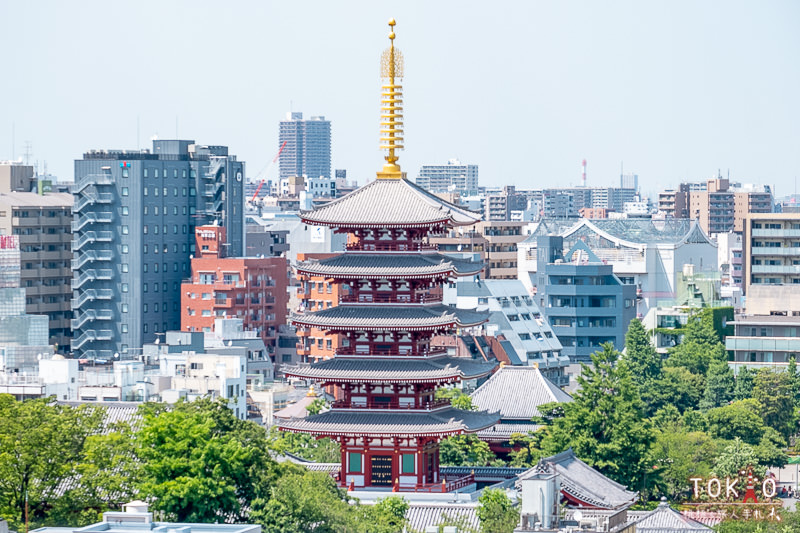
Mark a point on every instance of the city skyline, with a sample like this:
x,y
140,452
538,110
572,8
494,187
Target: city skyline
x,y
673,93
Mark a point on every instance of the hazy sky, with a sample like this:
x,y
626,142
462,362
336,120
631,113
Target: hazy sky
x,y
526,90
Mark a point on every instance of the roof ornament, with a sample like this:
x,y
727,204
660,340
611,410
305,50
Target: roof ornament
x,y
391,108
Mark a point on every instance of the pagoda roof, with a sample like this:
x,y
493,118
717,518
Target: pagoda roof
x,y
390,317
373,369
389,203
441,422
389,265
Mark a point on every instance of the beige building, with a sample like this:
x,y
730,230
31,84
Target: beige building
x,y
495,240
14,176
43,224
771,250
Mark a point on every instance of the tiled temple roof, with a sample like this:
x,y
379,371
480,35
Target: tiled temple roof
x,y
517,392
441,422
389,203
377,265
389,317
372,369
584,484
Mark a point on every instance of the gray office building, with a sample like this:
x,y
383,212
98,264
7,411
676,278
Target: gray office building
x,y
133,235
308,146
585,303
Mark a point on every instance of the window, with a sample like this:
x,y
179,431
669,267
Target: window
x,y
124,230
175,173
165,286
124,172
144,229
124,191
144,191
183,192
124,328
155,267
355,462
155,172
124,210
175,229
164,190
144,210
206,312
408,463
124,248
192,191
155,210
144,248
144,307
155,229
124,308
144,328
155,307
155,191
144,287
124,267
155,287
124,287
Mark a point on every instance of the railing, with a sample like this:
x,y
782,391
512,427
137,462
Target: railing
x,y
444,486
91,275
382,247
393,404
92,236
92,218
388,298
91,315
90,256
419,353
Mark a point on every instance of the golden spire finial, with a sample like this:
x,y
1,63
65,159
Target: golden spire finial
x,y
391,108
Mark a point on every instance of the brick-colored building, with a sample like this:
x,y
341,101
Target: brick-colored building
x,y
250,288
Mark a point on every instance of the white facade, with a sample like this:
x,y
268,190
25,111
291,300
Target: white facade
x,y
647,253
515,316
213,375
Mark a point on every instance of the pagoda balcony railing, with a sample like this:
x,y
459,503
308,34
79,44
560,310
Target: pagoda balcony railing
x,y
393,404
385,247
444,486
374,351
388,299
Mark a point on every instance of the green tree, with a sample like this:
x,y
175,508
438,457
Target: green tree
x,y
317,406
106,476
308,447
735,457
643,360
676,386
794,378
40,444
604,424
465,450
200,463
679,454
700,345
773,391
304,502
496,513
744,384
738,420
771,449
388,515
720,385
457,398
527,448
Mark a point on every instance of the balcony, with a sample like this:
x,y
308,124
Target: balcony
x,y
371,299
395,353
382,247
776,269
772,250
776,233
393,404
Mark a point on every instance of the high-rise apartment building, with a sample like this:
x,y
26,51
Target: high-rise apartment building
x,y
771,245
308,146
717,205
134,218
452,177
42,224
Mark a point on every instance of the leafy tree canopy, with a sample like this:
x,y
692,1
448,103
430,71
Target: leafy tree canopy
x,y
496,513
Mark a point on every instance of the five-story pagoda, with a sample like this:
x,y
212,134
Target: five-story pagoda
x,y
385,372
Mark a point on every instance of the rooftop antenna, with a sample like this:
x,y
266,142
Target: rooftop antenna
x,y
27,153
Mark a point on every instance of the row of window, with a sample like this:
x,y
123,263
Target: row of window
x,y
125,191
146,229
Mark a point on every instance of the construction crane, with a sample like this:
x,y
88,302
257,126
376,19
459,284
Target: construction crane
x,y
264,179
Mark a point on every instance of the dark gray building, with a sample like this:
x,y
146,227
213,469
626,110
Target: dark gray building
x,y
585,303
308,146
133,235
